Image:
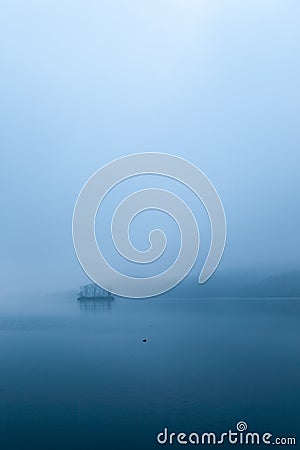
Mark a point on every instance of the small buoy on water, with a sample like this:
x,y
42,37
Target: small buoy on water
x,y
144,340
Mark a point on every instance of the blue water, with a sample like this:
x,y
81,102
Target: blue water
x,y
81,377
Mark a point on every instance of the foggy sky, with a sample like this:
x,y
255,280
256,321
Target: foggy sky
x,y
84,82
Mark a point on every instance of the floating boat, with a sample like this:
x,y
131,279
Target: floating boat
x,y
91,292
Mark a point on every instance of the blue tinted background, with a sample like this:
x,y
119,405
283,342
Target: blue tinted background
x,y
84,82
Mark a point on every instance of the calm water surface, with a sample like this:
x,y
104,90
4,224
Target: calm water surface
x,y
80,377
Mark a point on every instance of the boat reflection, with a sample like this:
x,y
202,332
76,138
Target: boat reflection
x,y
95,305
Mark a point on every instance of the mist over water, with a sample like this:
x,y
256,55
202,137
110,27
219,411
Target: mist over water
x,y
216,84
83,83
